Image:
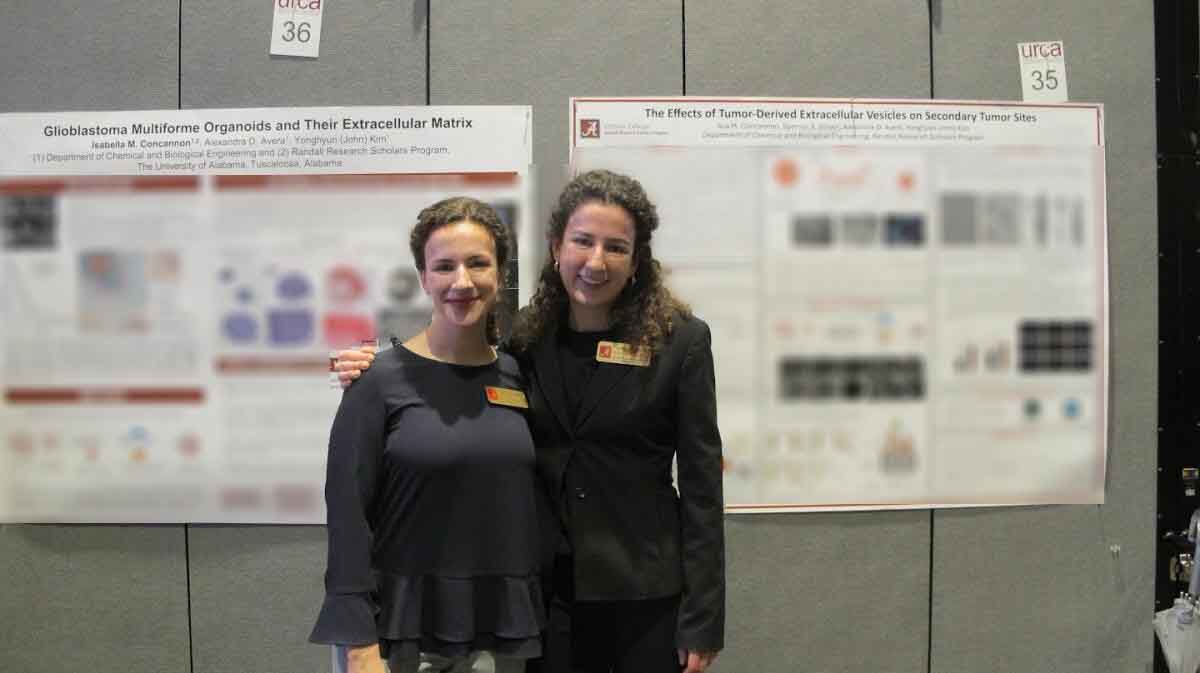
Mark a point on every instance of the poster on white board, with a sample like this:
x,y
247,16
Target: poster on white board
x,y
908,298
173,282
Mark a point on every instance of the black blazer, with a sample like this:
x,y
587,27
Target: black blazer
x,y
608,478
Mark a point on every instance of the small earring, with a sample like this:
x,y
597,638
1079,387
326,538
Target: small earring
x,y
633,279
556,265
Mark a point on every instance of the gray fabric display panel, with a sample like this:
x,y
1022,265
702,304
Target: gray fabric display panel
x,y
1064,589
541,53
372,53
1067,589
87,56
93,598
256,590
255,594
827,592
813,592
808,49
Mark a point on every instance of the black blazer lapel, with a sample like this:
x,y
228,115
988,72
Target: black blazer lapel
x,y
549,378
607,377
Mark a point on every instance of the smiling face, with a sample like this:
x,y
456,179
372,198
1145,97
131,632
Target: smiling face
x,y
461,274
595,258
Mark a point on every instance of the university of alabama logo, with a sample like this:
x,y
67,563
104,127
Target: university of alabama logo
x,y
589,128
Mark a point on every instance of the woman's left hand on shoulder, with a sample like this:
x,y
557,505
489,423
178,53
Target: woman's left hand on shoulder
x,y
694,661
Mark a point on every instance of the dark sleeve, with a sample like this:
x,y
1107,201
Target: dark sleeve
x,y
356,441
702,505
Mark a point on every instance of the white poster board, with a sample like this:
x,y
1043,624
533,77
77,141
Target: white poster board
x,y
174,280
908,298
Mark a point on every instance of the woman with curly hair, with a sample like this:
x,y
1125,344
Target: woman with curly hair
x,y
620,383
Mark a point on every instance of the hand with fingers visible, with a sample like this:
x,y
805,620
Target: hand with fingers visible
x,y
695,661
351,363
364,659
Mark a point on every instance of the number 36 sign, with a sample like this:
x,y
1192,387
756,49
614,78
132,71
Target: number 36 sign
x,y
296,28
1043,71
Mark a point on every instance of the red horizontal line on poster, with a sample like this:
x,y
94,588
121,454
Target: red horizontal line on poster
x,y
255,363
100,183
366,180
297,498
241,498
104,395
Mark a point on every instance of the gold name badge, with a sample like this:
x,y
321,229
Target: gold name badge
x,y
617,353
506,397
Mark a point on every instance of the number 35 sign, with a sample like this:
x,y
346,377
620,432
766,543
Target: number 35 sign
x,y
296,29
1043,71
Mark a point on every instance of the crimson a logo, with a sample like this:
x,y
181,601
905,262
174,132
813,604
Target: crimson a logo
x,y
589,128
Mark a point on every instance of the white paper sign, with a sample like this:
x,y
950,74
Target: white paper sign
x,y
1043,71
296,28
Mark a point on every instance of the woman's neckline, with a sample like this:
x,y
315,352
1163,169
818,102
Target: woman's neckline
x,y
587,332
426,358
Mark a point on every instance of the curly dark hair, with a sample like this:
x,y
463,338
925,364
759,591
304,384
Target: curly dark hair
x,y
464,209
643,313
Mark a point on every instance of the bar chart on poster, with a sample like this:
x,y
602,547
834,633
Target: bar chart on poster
x,y
908,298
173,283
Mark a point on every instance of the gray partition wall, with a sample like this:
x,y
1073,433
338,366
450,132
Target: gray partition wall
x,y
84,598
1067,589
1041,589
539,53
372,53
255,590
812,592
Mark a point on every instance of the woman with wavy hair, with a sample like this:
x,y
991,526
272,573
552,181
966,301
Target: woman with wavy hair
x,y
432,514
620,382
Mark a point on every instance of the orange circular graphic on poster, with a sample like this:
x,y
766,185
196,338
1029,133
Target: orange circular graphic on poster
x,y
785,172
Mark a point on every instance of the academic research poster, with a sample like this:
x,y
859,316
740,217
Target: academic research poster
x,y
908,298
174,282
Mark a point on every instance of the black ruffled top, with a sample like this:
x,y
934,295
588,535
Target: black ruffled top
x,y
431,521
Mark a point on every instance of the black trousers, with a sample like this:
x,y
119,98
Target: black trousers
x,y
636,636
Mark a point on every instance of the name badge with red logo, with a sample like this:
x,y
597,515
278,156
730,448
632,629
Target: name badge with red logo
x,y
617,353
506,397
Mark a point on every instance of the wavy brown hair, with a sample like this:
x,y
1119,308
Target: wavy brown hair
x,y
644,312
465,209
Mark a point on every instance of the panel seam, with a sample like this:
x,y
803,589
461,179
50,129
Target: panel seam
x,y
683,43
428,51
187,568
931,9
929,627
179,61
